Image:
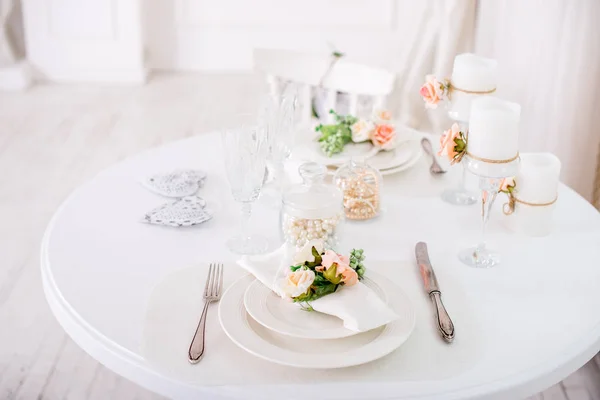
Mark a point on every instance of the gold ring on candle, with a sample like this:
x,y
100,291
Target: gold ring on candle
x,y
488,160
451,87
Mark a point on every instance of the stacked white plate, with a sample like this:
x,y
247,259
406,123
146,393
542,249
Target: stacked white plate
x,y
262,323
404,156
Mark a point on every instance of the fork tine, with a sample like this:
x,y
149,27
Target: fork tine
x,y
208,279
214,279
221,281
215,289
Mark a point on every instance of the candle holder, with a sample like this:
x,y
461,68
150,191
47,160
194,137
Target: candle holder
x,y
490,177
460,196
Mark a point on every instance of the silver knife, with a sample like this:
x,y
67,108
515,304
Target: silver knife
x,y
430,282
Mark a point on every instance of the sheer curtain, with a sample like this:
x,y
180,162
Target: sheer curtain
x,y
446,30
548,54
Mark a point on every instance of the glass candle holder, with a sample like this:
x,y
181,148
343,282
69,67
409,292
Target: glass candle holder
x,y
490,179
473,77
531,203
459,195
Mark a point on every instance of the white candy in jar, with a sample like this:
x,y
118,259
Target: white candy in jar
x,y
300,230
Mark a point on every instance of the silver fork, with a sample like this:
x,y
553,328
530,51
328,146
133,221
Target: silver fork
x,y
212,292
435,168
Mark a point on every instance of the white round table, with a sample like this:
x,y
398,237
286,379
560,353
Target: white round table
x,y
537,315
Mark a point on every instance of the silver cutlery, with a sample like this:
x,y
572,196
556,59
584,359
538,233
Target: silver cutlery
x,y
435,168
212,292
444,323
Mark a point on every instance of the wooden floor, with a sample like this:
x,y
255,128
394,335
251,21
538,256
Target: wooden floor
x,y
52,139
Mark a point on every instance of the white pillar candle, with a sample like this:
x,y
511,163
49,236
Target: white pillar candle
x,y
494,129
536,183
471,73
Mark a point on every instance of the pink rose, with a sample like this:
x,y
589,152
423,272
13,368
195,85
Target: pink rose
x,y
330,257
431,91
447,142
349,275
507,183
384,136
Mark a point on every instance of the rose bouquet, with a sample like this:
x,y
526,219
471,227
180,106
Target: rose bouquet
x,y
349,129
317,272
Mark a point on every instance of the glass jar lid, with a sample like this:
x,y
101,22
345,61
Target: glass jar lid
x,y
313,198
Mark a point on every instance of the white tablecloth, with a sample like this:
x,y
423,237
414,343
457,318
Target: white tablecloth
x,y
535,318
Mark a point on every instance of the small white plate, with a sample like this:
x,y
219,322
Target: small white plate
x,y
287,318
357,349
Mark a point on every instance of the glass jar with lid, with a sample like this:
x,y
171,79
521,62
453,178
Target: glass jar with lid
x,y
312,209
360,184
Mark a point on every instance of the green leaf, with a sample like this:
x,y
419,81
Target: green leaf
x,y
314,109
331,274
337,54
317,261
320,281
325,290
295,268
317,255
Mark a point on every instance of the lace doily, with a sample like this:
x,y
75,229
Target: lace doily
x,y
187,211
177,184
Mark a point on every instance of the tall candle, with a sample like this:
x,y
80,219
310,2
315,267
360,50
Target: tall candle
x,y
536,185
494,129
472,76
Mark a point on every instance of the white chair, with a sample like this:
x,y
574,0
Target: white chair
x,y
312,72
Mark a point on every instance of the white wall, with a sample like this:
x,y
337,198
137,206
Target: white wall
x,y
85,40
220,34
116,40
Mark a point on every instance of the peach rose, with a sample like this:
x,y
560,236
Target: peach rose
x,y
506,183
447,143
330,257
431,91
349,276
382,115
384,136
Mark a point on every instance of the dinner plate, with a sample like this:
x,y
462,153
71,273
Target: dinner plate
x,y
286,318
363,150
357,349
402,154
407,165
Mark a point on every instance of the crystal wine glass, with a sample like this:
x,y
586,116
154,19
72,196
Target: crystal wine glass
x,y
280,114
245,153
490,179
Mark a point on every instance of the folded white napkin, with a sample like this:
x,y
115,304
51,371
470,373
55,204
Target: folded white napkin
x,y
357,305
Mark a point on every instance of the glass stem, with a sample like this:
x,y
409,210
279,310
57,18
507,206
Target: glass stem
x,y
280,176
461,184
246,213
464,127
489,191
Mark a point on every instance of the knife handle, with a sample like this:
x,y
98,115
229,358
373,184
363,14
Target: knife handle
x,y
444,322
